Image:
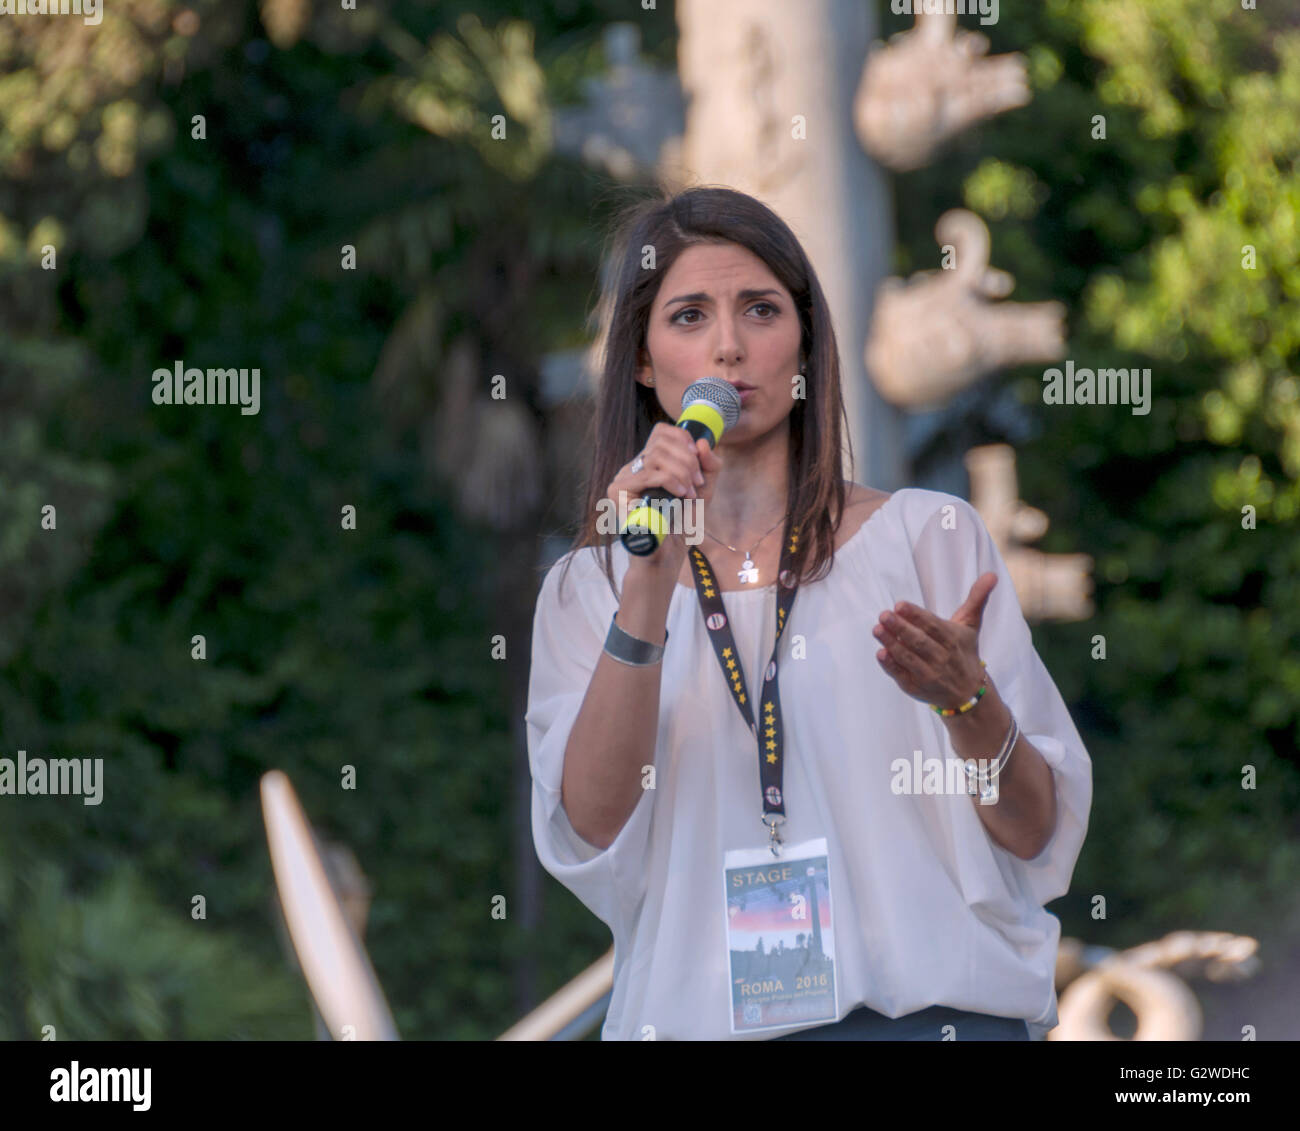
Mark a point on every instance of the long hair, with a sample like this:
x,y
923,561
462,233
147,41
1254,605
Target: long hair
x,y
626,411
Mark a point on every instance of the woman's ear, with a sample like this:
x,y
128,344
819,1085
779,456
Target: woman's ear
x,y
644,372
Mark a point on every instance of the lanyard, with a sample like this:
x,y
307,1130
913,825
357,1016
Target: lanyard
x,y
771,747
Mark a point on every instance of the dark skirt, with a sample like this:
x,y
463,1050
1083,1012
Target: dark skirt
x,y
863,1024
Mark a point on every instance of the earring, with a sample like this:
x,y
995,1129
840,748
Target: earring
x,y
650,380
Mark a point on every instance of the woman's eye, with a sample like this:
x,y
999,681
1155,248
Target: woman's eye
x,y
695,310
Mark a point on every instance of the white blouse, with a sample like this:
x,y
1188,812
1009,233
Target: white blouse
x,y
927,908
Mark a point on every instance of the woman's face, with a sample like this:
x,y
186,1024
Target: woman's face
x,y
706,321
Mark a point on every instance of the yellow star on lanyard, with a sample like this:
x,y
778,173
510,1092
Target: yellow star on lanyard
x,y
708,592
770,732
742,696
771,745
771,758
731,663
726,653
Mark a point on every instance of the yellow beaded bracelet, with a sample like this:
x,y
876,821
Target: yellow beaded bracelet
x,y
947,712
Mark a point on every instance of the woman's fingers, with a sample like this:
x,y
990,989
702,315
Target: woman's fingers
x,y
917,666
896,672
893,627
924,620
664,465
674,453
672,460
710,464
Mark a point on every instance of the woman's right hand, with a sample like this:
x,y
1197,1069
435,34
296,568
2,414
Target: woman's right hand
x,y
685,468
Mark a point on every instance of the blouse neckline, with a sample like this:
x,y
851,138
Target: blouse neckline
x,y
772,584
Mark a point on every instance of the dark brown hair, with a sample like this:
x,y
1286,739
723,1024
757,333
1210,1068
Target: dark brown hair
x,y
626,410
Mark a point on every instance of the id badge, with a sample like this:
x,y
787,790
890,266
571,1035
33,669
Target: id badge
x,y
779,936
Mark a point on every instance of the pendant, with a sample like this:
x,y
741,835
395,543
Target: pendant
x,y
747,572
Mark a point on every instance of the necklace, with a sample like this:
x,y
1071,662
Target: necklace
x,y
748,572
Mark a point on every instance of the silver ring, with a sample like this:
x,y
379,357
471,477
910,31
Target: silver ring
x,y
638,464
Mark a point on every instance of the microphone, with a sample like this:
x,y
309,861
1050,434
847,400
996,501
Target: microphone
x,y
709,407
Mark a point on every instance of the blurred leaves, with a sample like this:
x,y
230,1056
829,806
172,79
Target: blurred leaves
x,y
997,190
109,964
463,80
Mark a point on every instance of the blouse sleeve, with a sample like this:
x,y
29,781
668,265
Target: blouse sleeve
x,y
951,548
568,638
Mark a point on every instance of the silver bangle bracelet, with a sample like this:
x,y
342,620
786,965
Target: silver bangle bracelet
x,y
632,650
1004,755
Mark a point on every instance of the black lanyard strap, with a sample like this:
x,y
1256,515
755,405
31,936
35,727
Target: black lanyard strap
x,y
771,745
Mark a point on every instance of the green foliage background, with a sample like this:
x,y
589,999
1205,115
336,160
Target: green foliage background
x,y
370,648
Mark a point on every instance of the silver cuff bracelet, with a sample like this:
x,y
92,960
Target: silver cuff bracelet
x,y
629,649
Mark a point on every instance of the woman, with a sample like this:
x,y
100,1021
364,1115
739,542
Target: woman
x,y
876,896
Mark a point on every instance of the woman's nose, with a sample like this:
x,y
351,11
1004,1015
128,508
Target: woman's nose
x,y
728,349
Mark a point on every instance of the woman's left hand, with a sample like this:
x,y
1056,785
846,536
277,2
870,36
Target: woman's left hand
x,y
932,659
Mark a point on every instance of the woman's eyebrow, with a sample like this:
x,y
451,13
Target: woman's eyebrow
x,y
701,296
